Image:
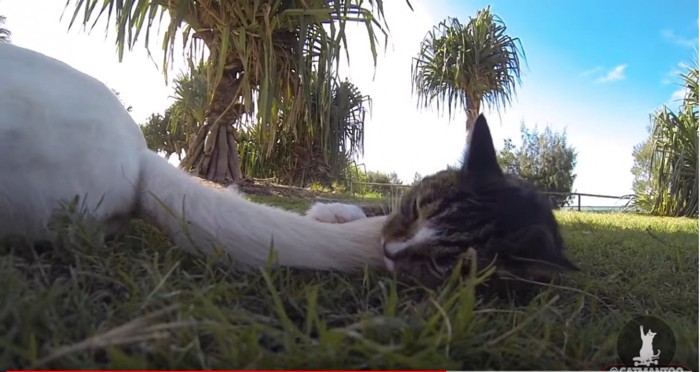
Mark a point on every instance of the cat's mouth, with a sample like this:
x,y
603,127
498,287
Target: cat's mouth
x,y
395,248
417,268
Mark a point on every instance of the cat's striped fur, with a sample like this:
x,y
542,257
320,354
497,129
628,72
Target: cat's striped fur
x,y
505,219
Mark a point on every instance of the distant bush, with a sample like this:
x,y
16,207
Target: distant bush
x,y
357,175
545,159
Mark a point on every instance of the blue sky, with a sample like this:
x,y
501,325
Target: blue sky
x,y
564,40
595,68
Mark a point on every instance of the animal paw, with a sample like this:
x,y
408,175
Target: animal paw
x,y
335,212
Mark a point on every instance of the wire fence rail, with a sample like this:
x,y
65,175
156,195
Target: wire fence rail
x,y
573,199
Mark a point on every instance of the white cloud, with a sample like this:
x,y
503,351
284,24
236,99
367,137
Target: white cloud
x,y
670,76
672,37
678,94
591,71
616,74
676,99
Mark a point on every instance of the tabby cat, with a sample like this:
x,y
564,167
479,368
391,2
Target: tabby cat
x,y
505,219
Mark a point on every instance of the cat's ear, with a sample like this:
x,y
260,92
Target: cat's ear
x,y
480,162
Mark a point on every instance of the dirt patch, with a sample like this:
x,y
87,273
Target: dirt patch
x,y
264,188
272,189
213,185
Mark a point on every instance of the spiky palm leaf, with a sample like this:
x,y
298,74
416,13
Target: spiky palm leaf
x,y
260,53
190,91
348,118
4,33
674,160
461,66
312,153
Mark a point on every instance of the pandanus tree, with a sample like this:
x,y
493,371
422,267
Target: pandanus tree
x,y
309,151
260,53
467,64
170,132
347,126
674,153
4,33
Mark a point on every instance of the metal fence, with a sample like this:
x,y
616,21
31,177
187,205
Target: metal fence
x,y
573,200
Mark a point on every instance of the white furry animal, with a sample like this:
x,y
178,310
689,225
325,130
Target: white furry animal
x,y
64,134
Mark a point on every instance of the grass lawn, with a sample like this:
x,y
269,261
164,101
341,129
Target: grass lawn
x,y
140,303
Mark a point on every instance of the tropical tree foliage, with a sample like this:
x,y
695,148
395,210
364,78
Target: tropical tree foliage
x,y
190,90
4,33
461,66
643,186
365,180
417,177
672,156
544,159
380,177
300,156
164,137
171,132
311,152
260,54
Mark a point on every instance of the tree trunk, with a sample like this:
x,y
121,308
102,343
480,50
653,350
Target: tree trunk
x,y
473,108
213,155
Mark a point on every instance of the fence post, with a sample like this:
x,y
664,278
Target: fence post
x,y
579,202
352,188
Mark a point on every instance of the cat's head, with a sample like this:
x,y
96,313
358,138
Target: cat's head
x,y
650,334
477,206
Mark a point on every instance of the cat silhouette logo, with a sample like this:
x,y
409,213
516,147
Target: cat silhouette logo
x,y
646,353
646,343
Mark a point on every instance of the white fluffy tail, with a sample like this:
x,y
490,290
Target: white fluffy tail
x,y
247,231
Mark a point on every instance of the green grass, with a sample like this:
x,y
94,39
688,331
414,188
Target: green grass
x,y
141,303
